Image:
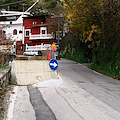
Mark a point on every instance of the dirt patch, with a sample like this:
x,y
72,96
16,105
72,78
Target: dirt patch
x,y
4,102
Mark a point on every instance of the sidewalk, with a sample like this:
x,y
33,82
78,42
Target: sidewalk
x,y
26,102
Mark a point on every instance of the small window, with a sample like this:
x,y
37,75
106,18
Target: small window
x,y
14,32
43,31
27,33
20,31
4,31
43,20
34,23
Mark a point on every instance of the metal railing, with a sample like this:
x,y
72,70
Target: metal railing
x,y
39,47
42,36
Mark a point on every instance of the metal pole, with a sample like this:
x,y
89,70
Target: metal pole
x,y
58,31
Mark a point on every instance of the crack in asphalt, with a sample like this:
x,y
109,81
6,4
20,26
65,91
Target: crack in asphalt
x,y
69,104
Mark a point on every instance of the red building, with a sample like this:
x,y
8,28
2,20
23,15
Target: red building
x,y
39,29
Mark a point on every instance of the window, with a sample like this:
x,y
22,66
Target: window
x,y
20,31
4,31
43,31
43,20
34,23
14,32
27,33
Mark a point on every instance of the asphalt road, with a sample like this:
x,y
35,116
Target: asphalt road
x,y
79,94
100,86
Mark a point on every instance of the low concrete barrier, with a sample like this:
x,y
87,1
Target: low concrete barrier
x,y
4,79
31,71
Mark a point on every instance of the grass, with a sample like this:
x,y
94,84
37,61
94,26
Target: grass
x,y
106,71
4,67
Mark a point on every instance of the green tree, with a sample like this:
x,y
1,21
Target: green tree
x,y
97,24
48,5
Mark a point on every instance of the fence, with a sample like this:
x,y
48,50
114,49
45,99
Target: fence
x,y
39,47
4,79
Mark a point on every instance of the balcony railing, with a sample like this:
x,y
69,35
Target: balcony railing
x,y
39,47
42,36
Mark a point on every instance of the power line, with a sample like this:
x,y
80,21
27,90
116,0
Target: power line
x,y
13,3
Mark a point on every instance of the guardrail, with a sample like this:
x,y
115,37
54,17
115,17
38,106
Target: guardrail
x,y
5,76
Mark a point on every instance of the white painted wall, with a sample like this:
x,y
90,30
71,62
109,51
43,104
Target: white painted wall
x,y
18,25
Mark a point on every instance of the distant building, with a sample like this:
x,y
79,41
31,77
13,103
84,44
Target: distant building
x,y
23,30
11,24
39,29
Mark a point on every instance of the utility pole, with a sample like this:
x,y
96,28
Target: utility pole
x,y
23,7
58,31
8,8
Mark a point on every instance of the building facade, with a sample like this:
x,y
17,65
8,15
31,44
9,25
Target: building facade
x,y
11,24
25,30
39,30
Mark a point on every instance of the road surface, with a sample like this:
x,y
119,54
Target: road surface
x,y
100,86
82,94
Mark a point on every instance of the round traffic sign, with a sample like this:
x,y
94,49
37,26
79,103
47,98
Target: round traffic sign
x,y
53,64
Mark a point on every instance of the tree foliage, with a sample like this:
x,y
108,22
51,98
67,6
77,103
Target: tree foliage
x,y
97,24
43,6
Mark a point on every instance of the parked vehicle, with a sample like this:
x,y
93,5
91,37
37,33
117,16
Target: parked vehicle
x,y
57,55
33,52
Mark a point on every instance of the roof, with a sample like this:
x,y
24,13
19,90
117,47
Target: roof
x,y
9,18
11,15
36,16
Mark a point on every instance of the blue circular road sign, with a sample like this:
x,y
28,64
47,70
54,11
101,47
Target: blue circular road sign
x,y
53,64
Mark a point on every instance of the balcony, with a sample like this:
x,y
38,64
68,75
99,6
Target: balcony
x,y
42,36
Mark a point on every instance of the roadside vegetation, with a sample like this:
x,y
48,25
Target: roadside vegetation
x,y
42,6
94,34
4,67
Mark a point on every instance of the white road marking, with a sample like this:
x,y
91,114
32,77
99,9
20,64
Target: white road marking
x,y
97,72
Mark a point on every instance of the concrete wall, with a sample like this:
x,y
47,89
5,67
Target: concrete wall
x,y
28,72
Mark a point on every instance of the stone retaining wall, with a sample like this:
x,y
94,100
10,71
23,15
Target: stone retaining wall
x,y
5,76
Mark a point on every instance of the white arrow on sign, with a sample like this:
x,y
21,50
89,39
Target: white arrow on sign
x,y
53,64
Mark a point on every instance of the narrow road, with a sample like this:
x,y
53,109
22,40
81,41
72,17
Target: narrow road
x,y
100,86
79,94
